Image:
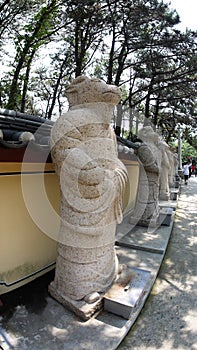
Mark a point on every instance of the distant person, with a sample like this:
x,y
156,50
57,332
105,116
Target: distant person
x,y
186,172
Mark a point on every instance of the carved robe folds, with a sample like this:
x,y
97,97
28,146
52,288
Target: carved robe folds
x,y
146,211
92,180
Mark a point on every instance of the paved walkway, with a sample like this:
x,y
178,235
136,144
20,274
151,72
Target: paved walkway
x,y
33,320
169,317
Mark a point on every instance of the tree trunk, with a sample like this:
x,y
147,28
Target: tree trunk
x,y
26,81
118,120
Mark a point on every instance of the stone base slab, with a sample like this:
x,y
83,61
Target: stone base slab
x,y
165,216
174,195
125,294
82,309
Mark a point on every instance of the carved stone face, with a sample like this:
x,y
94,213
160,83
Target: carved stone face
x,y
148,134
85,90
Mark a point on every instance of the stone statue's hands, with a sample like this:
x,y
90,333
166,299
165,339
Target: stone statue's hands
x,y
91,174
95,181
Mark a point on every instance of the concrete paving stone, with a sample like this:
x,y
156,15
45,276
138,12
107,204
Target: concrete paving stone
x,y
148,238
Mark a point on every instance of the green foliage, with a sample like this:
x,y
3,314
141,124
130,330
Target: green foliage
x,y
188,144
188,151
133,44
190,136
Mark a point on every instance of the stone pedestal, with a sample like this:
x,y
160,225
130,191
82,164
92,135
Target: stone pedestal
x,y
174,195
126,292
82,309
175,184
165,216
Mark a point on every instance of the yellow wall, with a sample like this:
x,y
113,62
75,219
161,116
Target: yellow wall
x,y
24,248
29,219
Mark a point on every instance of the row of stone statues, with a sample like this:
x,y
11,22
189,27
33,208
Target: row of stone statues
x,y
92,181
159,167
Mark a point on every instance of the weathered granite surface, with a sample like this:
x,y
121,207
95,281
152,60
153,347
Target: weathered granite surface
x,y
174,168
166,169
92,179
146,212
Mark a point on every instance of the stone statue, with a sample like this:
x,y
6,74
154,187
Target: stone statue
x,y
166,159
92,180
146,211
174,168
